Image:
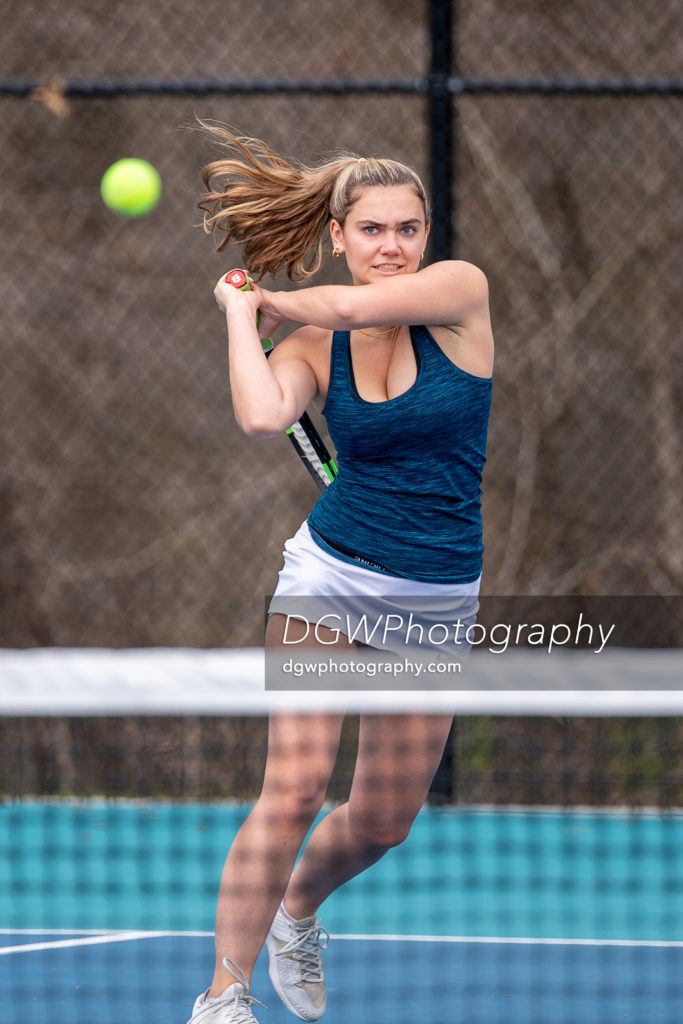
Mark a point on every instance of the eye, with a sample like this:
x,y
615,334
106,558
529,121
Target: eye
x,y
408,230
370,229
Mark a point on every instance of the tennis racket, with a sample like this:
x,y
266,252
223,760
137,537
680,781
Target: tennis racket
x,y
303,434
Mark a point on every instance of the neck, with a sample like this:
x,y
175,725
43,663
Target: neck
x,y
377,334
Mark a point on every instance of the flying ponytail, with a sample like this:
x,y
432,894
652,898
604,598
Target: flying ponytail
x,y
278,211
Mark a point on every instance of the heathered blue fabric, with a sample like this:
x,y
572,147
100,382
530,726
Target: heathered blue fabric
x,y
407,499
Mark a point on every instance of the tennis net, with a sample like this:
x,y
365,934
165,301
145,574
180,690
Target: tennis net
x,y
541,881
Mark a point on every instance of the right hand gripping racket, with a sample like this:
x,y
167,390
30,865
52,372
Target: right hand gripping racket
x,y
303,434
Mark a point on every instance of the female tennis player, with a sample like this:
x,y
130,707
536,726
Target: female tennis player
x,y
400,363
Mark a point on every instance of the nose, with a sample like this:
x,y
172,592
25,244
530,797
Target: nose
x,y
390,243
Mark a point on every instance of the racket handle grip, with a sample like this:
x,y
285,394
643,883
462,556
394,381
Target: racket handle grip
x,y
240,279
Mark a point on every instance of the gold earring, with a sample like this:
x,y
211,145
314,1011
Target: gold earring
x,y
422,256
336,254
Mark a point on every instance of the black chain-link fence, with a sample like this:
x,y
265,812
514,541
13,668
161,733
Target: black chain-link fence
x,y
616,762
133,511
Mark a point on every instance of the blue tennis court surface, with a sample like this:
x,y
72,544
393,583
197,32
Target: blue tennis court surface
x,y
481,917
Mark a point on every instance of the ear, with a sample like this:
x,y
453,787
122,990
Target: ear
x,y
337,235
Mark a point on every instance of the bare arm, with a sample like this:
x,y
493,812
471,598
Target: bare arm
x,y
449,293
268,395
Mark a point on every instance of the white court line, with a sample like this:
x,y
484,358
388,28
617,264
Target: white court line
x,y
129,936
92,940
60,931
98,931
496,939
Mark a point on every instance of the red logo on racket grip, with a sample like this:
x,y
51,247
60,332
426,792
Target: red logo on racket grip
x,y
237,278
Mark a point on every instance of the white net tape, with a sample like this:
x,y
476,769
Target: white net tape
x,y
97,681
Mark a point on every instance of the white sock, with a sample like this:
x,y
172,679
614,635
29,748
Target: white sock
x,y
286,913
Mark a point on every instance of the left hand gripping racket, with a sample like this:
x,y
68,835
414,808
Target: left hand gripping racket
x,y
303,434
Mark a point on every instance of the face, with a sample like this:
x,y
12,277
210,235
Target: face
x,y
384,233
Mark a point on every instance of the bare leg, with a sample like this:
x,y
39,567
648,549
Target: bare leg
x,y
397,758
263,852
301,753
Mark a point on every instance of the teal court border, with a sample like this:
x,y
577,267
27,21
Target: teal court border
x,y
578,911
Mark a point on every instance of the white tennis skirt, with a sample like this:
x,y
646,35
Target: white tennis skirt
x,y
380,611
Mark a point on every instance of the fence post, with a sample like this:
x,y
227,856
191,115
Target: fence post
x,y
441,126
441,147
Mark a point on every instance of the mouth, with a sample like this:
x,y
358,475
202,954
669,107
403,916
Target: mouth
x,y
388,268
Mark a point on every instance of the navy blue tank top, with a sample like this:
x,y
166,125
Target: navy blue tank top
x,y
407,500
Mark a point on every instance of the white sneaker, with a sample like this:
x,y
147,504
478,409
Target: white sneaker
x,y
233,1006
295,965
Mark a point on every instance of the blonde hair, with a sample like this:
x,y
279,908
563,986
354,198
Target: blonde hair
x,y
278,210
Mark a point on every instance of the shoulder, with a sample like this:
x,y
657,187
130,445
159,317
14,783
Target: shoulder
x,y
458,274
467,340
311,346
456,290
302,343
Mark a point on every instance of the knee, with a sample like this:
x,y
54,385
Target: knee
x,y
375,830
294,804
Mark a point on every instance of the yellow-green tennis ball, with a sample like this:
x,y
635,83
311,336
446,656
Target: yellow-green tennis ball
x,y
131,187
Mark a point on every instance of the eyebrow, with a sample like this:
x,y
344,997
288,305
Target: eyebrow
x,y
378,223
